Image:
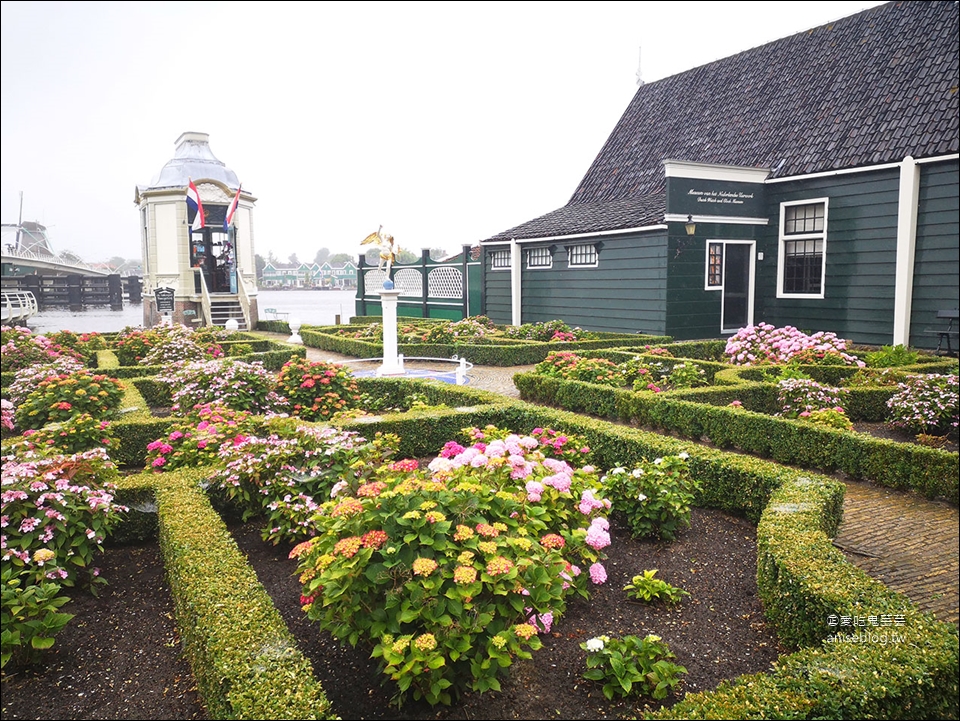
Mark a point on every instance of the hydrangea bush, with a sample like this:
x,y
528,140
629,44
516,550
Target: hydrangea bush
x,y
196,439
632,666
60,397
314,390
926,404
231,383
179,343
639,373
56,512
802,395
21,348
655,497
452,571
63,504
766,344
287,474
26,379
74,435
551,330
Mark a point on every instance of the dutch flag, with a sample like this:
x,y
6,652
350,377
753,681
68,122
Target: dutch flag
x,y
228,219
194,204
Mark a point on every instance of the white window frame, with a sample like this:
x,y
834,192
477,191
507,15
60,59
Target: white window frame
x,y
707,285
539,258
784,239
593,251
502,254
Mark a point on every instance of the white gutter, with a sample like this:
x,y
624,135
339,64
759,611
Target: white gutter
x,y
870,169
907,210
576,236
515,307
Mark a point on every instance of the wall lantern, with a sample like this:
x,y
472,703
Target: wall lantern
x,y
690,226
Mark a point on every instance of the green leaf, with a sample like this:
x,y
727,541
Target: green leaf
x,y
41,642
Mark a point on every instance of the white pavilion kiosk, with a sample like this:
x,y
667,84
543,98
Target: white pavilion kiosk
x,y
211,273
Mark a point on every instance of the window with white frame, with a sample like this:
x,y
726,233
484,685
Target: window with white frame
x,y
500,259
803,236
539,258
582,256
714,265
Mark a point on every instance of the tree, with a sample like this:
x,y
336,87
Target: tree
x,y
294,259
322,256
260,263
342,258
406,257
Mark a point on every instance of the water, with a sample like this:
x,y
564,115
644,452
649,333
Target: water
x,y
313,307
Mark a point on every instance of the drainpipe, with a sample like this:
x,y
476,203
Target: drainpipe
x,y
516,317
906,248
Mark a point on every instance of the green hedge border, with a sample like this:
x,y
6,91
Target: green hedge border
x,y
930,471
498,354
244,659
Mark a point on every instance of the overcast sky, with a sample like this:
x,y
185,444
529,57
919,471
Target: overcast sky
x,y
447,122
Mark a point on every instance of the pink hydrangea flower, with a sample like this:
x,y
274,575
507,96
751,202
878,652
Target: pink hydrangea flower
x,y
598,574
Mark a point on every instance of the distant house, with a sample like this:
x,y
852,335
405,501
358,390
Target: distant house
x,y
812,181
339,276
286,275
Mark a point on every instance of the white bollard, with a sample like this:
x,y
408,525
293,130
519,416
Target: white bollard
x,y
295,324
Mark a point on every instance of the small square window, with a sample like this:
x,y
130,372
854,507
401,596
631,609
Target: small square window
x,y
582,256
500,259
539,258
714,265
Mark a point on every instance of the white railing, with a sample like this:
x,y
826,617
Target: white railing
x,y
29,255
17,305
244,301
205,300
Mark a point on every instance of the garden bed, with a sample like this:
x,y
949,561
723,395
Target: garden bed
x,y
717,632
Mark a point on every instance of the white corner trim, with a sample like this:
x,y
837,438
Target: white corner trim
x,y
907,211
515,299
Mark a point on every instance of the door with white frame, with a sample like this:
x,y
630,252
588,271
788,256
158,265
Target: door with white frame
x,y
730,269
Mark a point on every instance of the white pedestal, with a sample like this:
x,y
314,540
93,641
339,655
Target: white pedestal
x,y
392,363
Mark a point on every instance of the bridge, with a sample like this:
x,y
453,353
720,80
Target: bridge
x,y
26,246
29,265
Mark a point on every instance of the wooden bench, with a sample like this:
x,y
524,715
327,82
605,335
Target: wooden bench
x,y
948,333
275,314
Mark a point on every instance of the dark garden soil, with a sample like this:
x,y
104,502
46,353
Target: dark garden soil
x,y
119,658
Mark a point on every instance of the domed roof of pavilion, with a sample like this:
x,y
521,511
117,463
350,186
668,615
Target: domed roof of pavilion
x,y
193,159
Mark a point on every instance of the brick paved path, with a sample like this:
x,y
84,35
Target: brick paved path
x,y
902,539
906,541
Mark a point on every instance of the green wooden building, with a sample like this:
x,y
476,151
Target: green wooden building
x,y
812,181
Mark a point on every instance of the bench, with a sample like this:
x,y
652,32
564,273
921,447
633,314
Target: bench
x,y
946,334
275,314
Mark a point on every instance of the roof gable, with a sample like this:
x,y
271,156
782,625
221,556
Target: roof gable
x,y
867,89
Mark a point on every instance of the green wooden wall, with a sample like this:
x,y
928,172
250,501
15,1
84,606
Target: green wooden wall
x,y
626,292
496,291
692,312
937,258
860,257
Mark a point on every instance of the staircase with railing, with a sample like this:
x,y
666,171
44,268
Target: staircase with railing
x,y
224,308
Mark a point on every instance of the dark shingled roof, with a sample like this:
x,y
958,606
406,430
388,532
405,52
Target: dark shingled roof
x,y
867,89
